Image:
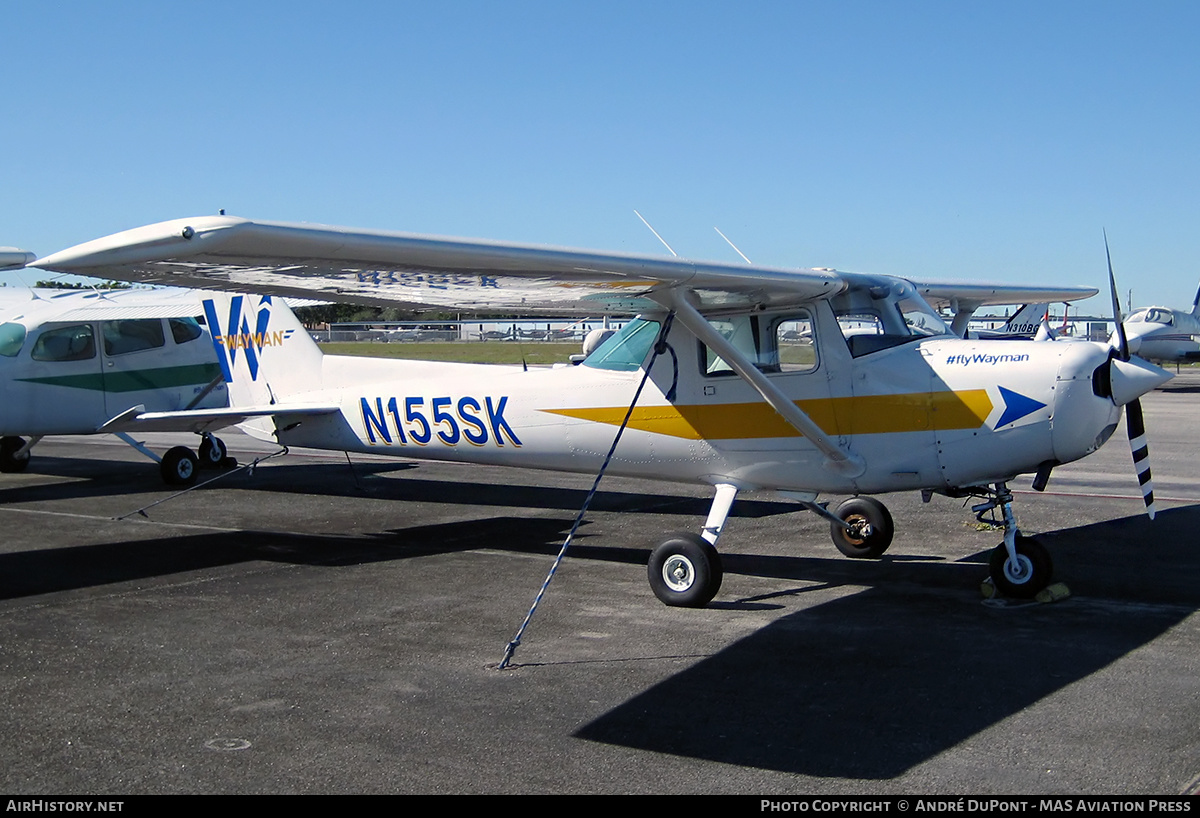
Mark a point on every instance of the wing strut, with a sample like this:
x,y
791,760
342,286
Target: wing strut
x,y
836,458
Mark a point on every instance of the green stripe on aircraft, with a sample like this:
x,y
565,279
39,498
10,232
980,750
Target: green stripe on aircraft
x,y
135,380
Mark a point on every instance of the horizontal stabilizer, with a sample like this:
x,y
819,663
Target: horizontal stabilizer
x,y
137,419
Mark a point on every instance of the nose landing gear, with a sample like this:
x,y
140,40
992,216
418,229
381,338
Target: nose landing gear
x,y
1021,566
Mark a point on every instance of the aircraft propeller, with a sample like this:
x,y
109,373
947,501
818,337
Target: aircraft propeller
x,y
1128,380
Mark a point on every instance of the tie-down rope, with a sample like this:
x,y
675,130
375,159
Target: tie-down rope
x,y
660,346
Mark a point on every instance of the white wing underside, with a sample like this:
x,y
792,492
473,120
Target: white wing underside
x,y
424,272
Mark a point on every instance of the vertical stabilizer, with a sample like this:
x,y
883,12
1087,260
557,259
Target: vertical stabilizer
x,y
264,352
1026,321
1196,304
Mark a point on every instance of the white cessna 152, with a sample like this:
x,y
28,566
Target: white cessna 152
x,y
71,360
707,383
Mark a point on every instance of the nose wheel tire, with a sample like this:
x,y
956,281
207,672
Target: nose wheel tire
x,y
871,528
179,466
685,571
1031,573
9,462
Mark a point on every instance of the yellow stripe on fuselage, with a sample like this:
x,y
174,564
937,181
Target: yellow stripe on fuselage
x,y
861,415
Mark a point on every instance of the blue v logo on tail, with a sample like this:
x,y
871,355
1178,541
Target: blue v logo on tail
x,y
236,334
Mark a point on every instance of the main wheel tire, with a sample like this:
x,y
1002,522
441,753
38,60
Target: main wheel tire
x,y
1032,573
179,466
211,452
9,462
873,528
685,571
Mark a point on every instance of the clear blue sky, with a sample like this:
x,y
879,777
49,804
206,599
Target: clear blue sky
x,y
965,140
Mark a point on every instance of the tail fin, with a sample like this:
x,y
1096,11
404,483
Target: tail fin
x,y
1026,321
1196,304
264,352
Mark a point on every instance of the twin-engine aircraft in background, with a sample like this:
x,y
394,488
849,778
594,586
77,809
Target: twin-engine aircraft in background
x,y
744,378
71,360
1164,334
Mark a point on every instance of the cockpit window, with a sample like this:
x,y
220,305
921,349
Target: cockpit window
x,y
782,343
627,349
742,331
794,343
880,317
185,329
76,343
12,338
132,335
1153,316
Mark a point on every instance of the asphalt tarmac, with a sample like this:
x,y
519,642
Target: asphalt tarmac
x,y
325,626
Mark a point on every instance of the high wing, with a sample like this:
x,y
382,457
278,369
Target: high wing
x,y
420,272
959,295
426,272
963,298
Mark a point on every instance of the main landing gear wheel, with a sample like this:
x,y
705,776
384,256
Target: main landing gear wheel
x,y
685,571
212,452
871,528
179,466
1031,573
9,462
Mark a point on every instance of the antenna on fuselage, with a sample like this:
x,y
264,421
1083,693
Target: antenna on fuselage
x,y
734,246
655,232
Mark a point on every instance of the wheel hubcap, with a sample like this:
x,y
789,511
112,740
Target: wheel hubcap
x,y
678,572
1019,573
860,529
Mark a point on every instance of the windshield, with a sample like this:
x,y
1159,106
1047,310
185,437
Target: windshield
x,y
1154,315
627,349
12,338
878,317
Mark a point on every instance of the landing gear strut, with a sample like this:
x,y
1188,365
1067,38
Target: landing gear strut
x,y
180,466
1020,565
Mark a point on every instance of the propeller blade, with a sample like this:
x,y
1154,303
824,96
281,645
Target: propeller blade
x,y
1141,452
1122,340
1129,384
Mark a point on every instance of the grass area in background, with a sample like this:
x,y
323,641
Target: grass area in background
x,y
471,352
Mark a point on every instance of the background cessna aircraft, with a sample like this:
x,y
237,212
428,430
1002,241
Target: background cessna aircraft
x,y
71,360
704,387
1164,334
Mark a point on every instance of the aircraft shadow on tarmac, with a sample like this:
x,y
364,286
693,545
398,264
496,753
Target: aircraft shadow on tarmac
x,y
875,683
370,480
50,570
867,686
